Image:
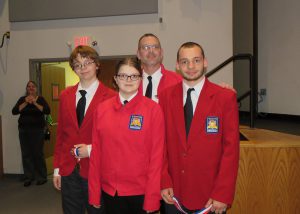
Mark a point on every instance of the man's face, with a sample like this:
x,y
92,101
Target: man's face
x,y
191,64
149,51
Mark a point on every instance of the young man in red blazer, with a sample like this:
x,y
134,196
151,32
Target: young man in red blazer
x,y
202,138
74,134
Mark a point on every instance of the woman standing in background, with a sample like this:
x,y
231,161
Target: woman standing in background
x,y
32,109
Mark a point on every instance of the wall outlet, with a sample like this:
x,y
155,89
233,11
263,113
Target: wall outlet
x,y
263,91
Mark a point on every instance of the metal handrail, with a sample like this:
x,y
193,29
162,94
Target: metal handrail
x,y
252,91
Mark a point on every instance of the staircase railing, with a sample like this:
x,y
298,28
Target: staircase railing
x,y
252,91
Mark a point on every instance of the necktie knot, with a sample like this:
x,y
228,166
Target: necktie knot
x,y
149,78
189,91
125,102
82,92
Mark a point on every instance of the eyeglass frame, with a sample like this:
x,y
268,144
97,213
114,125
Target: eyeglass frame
x,y
150,47
125,77
80,66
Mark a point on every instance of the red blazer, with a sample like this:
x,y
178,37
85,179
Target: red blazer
x,y
204,165
168,79
127,150
68,132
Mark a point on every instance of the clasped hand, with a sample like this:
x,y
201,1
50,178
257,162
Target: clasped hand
x,y
30,99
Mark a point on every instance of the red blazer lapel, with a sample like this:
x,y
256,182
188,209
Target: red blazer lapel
x,y
202,108
178,114
100,95
71,104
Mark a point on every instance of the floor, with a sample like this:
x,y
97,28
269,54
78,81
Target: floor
x,y
16,199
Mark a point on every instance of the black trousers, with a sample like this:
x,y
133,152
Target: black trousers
x,y
74,190
171,209
32,149
123,204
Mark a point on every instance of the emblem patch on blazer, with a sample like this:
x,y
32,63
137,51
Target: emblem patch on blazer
x,y
212,124
136,122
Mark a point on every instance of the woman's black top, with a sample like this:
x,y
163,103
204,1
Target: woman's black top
x,y
30,115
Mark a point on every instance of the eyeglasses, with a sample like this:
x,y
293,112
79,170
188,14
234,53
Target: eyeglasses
x,y
133,77
150,47
78,66
186,62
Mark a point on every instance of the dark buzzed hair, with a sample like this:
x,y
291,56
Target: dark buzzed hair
x,y
148,35
190,45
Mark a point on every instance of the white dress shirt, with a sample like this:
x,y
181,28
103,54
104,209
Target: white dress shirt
x,y
90,92
156,76
194,94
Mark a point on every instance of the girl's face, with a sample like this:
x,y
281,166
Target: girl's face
x,y
31,89
128,80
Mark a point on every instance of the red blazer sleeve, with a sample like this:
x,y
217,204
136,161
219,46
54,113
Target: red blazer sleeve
x,y
94,183
155,146
224,188
59,135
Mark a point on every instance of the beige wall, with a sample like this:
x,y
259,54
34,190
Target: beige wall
x,y
278,60
208,22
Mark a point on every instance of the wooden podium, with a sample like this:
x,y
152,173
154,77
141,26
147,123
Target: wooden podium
x,y
269,173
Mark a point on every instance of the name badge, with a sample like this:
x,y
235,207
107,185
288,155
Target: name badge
x,y
212,125
136,122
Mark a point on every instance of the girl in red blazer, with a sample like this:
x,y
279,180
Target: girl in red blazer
x,y
128,141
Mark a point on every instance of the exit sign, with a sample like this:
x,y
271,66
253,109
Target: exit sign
x,y
82,40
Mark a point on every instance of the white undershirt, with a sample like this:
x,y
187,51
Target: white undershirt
x,y
194,94
156,77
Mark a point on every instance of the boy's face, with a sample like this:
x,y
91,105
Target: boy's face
x,y
85,68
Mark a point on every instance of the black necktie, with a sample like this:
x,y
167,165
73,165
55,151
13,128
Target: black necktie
x,y
188,111
149,88
125,102
81,107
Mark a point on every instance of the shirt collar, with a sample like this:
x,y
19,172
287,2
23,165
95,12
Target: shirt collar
x,y
91,89
155,76
198,87
122,99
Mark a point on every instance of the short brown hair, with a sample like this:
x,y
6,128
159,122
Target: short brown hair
x,y
131,61
190,45
85,52
148,35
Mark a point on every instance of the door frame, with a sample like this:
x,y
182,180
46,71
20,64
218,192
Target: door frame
x,y
35,68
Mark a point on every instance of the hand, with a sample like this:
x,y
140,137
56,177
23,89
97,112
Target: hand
x,y
34,99
29,99
217,206
82,150
150,211
227,86
167,195
57,182
97,206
